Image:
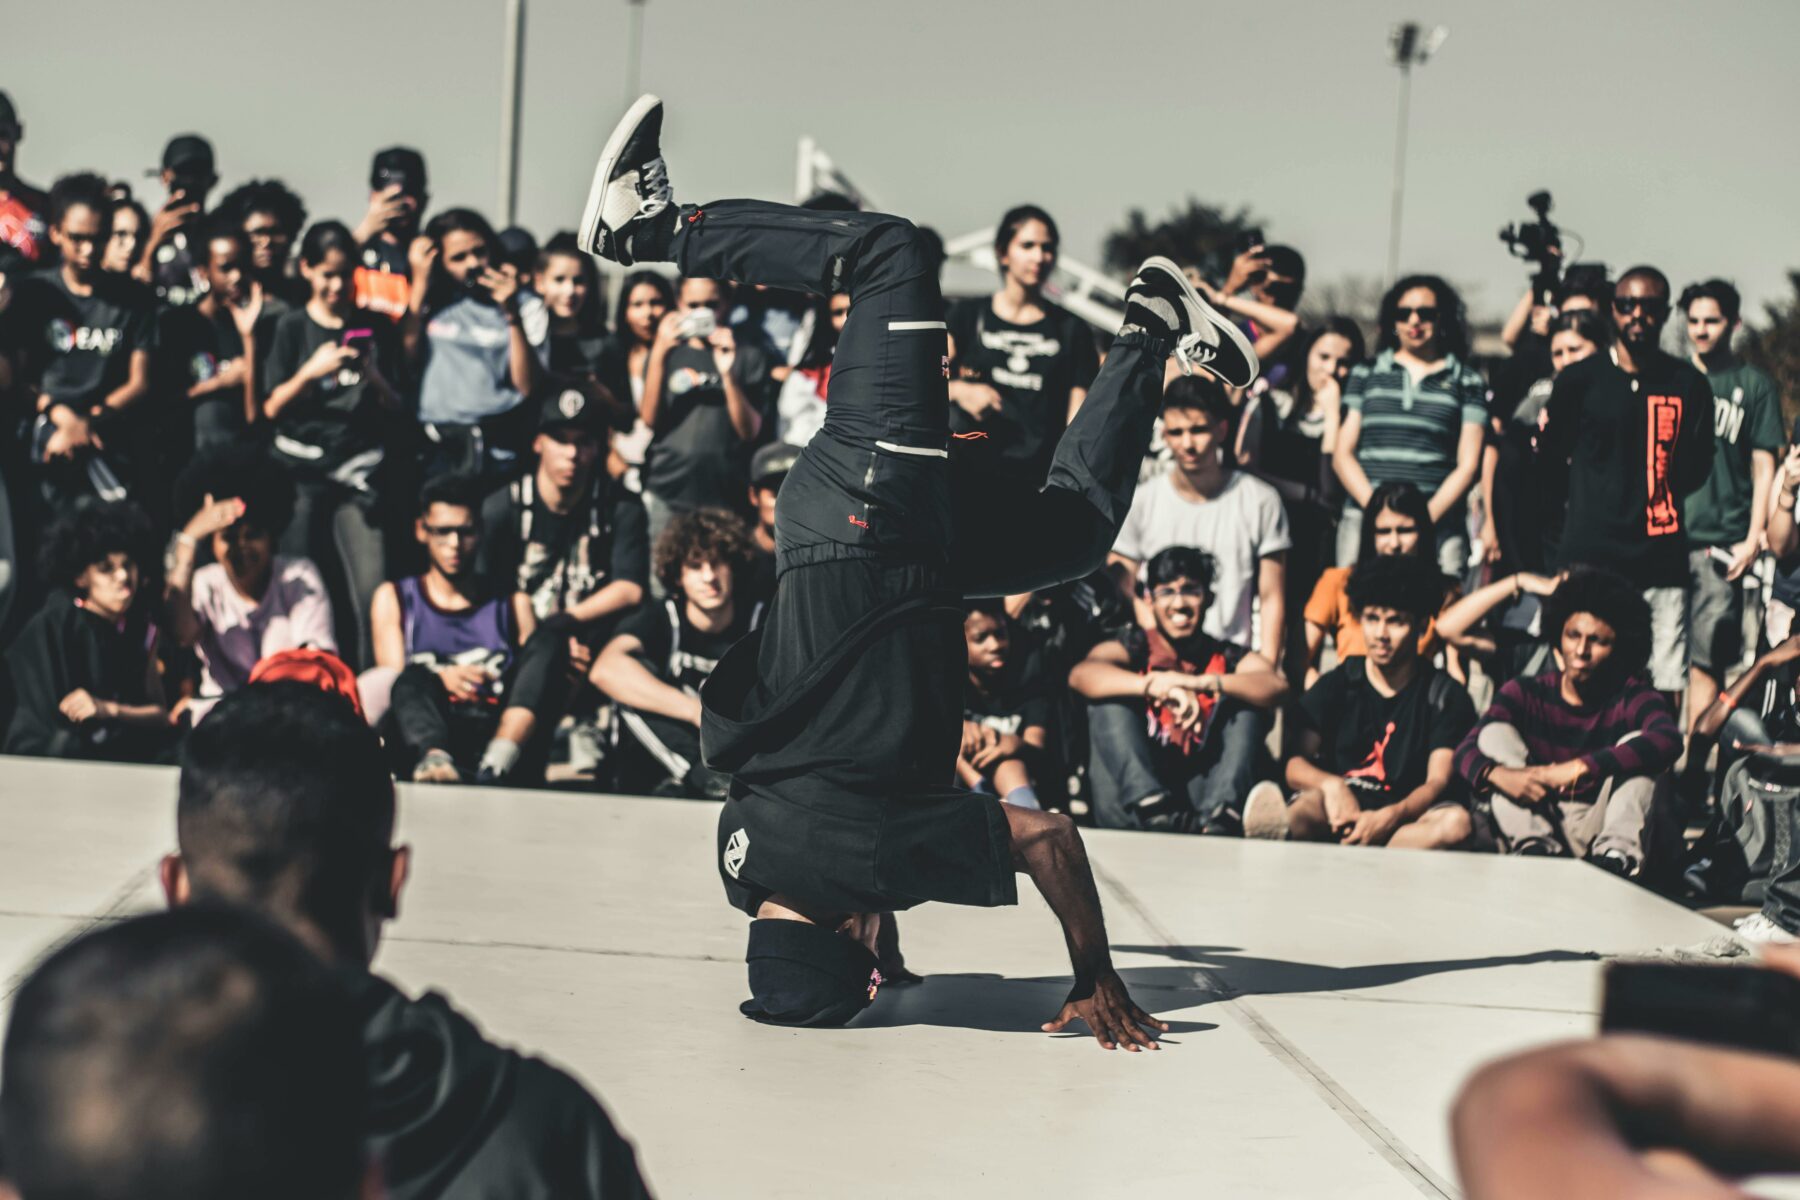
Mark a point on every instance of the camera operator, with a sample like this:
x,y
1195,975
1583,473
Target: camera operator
x,y
397,199
1262,290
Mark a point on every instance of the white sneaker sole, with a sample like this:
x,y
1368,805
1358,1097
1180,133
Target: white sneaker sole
x,y
590,231
1212,315
1265,814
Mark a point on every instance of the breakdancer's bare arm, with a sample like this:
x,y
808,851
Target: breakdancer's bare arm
x,y
1048,847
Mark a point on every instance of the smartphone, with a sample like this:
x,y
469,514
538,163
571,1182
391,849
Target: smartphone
x,y
358,339
1748,1008
1248,240
697,323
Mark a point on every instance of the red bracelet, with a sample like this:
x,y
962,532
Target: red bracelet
x,y
1725,701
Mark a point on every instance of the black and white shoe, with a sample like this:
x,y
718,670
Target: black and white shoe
x,y
627,218
1160,300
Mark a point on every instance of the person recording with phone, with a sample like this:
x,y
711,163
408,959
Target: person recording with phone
x,y
1262,290
336,411
479,343
397,199
700,402
167,262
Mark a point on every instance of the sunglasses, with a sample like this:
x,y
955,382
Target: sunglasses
x,y
1427,313
445,532
1626,305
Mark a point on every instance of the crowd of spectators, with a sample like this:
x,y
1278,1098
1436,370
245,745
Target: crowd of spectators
x,y
1393,593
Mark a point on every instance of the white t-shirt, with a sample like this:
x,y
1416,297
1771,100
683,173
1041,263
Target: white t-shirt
x,y
1240,526
236,634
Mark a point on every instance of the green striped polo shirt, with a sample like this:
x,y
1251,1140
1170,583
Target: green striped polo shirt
x,y
1410,430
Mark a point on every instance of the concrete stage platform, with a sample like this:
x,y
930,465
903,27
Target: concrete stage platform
x,y
1325,1002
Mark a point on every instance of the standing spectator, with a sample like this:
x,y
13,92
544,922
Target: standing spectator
x,y
1417,415
644,300
397,199
271,217
1576,760
169,264
1007,714
1784,544
478,342
800,407
130,226
452,639
1635,428
1274,276
1020,364
248,602
211,355
1202,502
1396,522
201,1054
84,669
1376,737
699,402
569,285
24,224
330,397
654,666
85,341
1286,436
1727,516
1175,715
1523,494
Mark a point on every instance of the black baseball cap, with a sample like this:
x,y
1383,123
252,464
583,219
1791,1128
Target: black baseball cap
x,y
518,247
803,974
188,152
772,462
402,165
566,407
9,116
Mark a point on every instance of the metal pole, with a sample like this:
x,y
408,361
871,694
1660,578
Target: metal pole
x,y
512,83
1393,262
635,40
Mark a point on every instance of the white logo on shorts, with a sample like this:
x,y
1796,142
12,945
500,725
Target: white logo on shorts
x,y
736,848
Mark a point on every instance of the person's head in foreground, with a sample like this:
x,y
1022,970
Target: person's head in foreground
x,y
1640,308
1394,596
286,807
98,553
194,1055
699,556
1178,583
1598,626
1397,521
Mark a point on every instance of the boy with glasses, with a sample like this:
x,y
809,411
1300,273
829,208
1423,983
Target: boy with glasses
x,y
1635,426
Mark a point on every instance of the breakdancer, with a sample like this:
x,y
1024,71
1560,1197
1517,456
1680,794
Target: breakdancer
x,y
839,721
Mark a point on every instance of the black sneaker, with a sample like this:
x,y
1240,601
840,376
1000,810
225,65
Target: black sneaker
x,y
1613,862
1161,301
628,218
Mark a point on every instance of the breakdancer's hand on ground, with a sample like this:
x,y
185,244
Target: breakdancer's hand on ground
x,y
1109,1012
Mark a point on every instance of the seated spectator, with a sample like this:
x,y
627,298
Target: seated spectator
x,y
571,538
1417,414
569,284
452,638
210,355
248,602
130,226
332,398
1175,715
1203,502
1396,522
702,402
83,669
271,218
202,1054
1510,644
768,467
83,342
1575,761
286,808
1376,737
664,651
1006,714
478,342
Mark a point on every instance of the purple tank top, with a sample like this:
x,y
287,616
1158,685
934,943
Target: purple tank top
x,y
483,634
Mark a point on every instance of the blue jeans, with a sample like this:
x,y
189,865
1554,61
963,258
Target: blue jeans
x,y
1123,768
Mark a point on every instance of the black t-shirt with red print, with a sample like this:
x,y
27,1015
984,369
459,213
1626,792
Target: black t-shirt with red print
x,y
1383,744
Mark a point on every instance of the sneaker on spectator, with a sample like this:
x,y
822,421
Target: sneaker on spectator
x,y
624,219
1160,300
436,767
1759,929
1163,813
1227,822
1614,863
585,749
1265,812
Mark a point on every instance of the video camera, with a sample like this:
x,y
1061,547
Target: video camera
x,y
1539,242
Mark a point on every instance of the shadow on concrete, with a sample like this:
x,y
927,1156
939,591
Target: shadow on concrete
x,y
1247,975
1001,1005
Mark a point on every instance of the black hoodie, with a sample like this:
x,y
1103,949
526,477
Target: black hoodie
x,y
453,1115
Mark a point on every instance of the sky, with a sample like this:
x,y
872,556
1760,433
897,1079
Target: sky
x,y
1664,129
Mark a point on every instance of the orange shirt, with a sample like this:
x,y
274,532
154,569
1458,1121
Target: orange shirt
x,y
1329,608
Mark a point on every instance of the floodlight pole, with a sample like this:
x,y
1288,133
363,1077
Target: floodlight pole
x,y
1393,255
634,40
512,83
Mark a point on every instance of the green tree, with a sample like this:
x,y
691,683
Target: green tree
x,y
1775,347
1193,235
